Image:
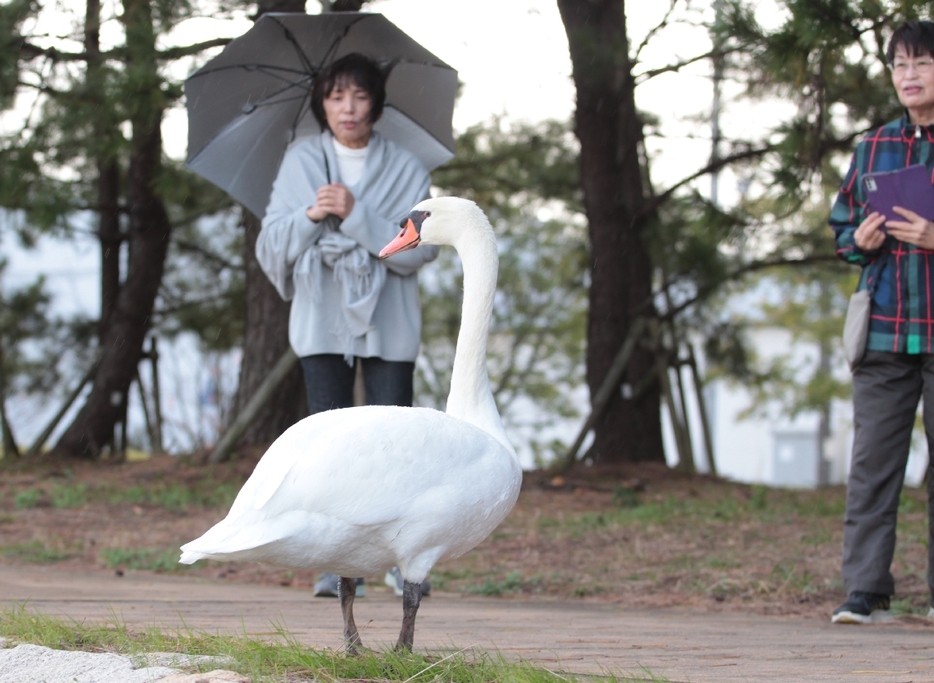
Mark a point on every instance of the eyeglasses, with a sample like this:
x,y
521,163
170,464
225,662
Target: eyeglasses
x,y
922,65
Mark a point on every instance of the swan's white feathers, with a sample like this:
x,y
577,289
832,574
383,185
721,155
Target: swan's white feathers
x,y
422,471
358,490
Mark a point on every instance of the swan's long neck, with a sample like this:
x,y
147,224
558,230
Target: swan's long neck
x,y
471,399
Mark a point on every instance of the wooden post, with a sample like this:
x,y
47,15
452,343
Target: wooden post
x,y
123,427
689,464
702,408
10,449
146,414
661,368
157,446
53,423
610,383
228,440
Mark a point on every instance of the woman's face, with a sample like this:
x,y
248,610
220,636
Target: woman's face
x,y
347,109
913,78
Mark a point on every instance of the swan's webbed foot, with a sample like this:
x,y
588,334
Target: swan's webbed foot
x,y
411,597
346,591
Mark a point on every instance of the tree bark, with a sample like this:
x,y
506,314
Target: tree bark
x,y
266,328
610,133
108,173
148,240
265,339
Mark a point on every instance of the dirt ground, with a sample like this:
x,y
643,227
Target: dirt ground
x,y
642,535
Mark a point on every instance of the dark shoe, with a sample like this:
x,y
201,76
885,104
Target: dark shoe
x,y
862,608
327,586
394,580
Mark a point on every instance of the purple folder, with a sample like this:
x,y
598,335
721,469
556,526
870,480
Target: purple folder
x,y
909,188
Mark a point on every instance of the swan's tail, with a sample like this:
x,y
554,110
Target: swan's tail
x,y
190,556
238,540
229,542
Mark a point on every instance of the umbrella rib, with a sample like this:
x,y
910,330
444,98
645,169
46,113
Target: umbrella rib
x,y
424,129
265,68
287,87
265,102
303,84
337,41
298,115
289,36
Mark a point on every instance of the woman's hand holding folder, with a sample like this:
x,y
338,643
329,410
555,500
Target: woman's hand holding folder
x,y
914,229
869,236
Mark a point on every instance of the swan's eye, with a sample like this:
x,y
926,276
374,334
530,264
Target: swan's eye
x,y
416,217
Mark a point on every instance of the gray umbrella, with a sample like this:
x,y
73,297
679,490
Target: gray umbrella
x,y
248,104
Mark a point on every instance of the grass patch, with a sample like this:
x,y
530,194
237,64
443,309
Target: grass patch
x,y
283,658
69,496
142,558
513,582
27,499
754,505
33,552
174,496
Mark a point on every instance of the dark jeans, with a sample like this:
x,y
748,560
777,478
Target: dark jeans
x,y
886,391
329,382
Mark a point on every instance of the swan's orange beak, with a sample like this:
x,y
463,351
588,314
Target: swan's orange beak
x,y
408,238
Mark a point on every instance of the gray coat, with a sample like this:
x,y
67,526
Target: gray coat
x,y
374,312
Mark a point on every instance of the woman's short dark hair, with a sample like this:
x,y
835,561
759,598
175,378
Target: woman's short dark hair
x,y
915,37
357,68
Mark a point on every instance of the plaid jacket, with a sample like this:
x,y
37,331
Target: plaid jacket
x,y
900,275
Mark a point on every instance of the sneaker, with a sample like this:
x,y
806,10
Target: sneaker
x,y
327,586
394,580
862,608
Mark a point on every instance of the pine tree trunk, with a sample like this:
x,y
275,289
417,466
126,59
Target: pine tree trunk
x,y
108,197
610,133
266,328
148,240
267,316
265,339
108,172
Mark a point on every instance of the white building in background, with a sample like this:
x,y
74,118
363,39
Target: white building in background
x,y
770,448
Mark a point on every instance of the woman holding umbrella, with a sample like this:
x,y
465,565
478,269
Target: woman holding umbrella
x,y
335,203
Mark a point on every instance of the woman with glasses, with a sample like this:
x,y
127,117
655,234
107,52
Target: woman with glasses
x,y
896,254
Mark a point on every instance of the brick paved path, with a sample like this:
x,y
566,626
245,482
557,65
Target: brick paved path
x,y
579,637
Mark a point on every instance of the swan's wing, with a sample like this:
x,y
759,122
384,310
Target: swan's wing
x,y
379,484
365,465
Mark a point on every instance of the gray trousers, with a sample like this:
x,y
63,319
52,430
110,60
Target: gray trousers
x,y
886,391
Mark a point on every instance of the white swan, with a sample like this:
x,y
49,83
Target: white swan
x,y
358,490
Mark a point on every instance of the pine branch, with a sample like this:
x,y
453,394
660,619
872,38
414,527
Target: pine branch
x,y
648,36
752,267
207,254
716,165
31,51
188,50
677,66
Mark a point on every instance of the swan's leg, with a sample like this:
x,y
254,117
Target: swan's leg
x,y
411,597
346,591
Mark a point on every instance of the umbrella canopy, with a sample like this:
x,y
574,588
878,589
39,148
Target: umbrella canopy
x,y
248,104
